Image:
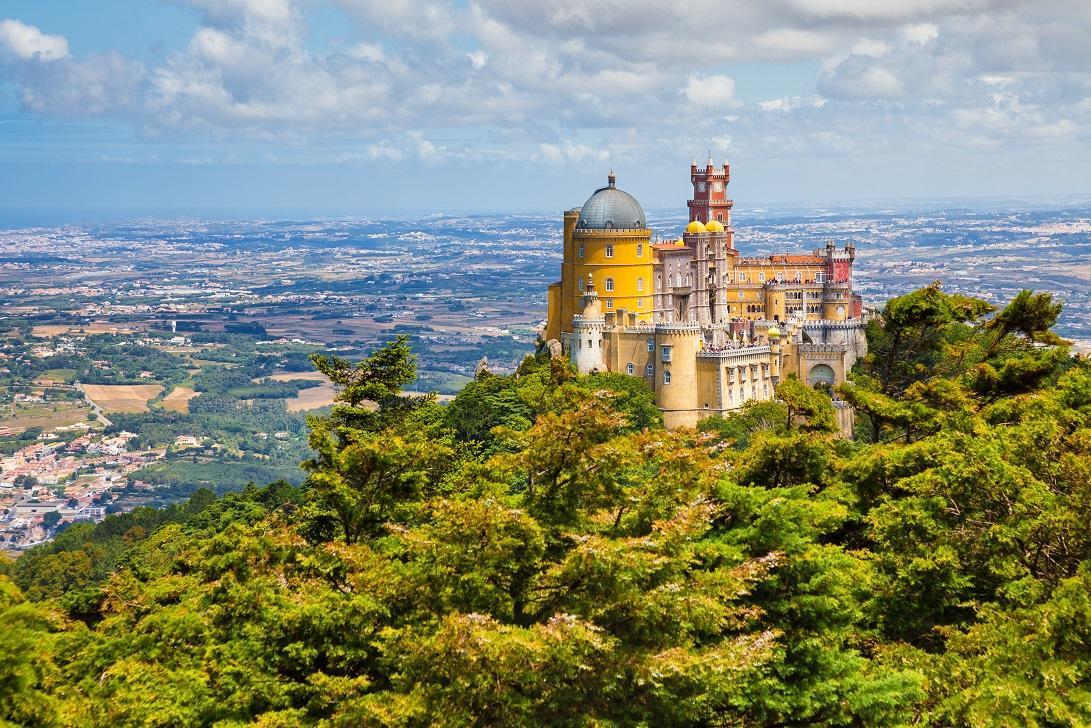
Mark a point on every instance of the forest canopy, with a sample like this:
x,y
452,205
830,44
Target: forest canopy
x,y
542,552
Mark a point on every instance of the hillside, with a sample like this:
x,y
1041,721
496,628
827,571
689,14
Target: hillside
x,y
542,552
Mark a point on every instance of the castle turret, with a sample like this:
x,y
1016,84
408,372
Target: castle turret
x,y
710,201
677,346
775,352
588,329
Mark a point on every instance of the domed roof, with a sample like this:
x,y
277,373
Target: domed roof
x,y
611,208
714,226
773,332
695,227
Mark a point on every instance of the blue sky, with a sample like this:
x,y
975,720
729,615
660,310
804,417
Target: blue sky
x,y
299,107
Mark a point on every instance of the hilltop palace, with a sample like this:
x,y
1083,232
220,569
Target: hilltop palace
x,y
707,329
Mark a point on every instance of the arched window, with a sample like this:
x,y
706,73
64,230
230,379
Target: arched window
x,y
609,284
720,217
689,279
609,251
580,251
640,284
677,279
640,250
659,282
649,370
630,369
609,303
666,376
651,344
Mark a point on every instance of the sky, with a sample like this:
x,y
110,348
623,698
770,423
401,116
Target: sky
x,y
362,107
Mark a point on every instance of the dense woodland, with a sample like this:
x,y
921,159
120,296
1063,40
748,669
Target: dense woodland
x,y
542,552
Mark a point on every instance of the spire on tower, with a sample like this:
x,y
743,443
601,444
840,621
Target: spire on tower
x,y
611,178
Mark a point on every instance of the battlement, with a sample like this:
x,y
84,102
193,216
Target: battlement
x,y
823,348
686,327
830,324
741,352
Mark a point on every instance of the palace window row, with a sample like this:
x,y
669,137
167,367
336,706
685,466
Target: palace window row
x,y
581,251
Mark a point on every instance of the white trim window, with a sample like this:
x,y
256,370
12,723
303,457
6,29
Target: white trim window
x,y
630,368
651,344
609,284
609,251
610,303
640,250
666,353
666,376
640,284
649,370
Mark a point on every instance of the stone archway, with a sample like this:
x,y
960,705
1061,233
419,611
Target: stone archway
x,y
821,374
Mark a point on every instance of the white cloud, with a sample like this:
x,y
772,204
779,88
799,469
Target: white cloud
x,y
711,92
367,52
567,82
920,33
384,149
426,151
478,59
792,103
27,42
569,151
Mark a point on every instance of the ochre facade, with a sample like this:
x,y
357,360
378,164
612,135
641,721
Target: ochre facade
x,y
707,328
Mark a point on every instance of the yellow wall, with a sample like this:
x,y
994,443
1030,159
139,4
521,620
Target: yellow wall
x,y
570,298
553,312
677,399
625,268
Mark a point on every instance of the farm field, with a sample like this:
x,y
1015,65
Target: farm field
x,y
122,397
20,416
56,376
297,377
178,399
47,331
312,398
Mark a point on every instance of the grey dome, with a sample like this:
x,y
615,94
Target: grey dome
x,y
611,208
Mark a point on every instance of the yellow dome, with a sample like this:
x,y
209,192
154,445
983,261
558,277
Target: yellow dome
x,y
773,332
695,227
714,226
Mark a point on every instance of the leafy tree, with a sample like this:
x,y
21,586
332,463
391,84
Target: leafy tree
x,y
541,551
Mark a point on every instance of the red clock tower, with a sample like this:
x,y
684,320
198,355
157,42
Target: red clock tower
x,y
710,200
